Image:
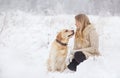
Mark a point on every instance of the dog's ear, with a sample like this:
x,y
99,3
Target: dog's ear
x,y
59,36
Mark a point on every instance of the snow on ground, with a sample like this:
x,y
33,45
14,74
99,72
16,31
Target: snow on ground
x,y
25,41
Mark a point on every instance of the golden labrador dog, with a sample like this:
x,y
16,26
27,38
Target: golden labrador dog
x,y
58,52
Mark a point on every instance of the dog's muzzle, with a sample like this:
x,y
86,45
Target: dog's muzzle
x,y
71,34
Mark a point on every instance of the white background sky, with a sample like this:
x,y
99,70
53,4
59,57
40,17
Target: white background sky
x,y
93,7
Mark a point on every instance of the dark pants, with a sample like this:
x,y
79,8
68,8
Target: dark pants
x,y
78,58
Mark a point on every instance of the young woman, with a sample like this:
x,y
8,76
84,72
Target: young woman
x,y
85,42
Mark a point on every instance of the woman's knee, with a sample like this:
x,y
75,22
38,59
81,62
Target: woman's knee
x,y
79,53
79,56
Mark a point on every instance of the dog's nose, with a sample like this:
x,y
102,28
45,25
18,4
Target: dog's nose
x,y
72,31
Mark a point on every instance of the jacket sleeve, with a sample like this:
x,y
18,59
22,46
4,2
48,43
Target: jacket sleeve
x,y
93,49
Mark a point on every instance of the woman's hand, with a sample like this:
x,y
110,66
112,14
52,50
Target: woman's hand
x,y
70,58
73,51
71,55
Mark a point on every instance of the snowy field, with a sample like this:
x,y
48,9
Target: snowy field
x,y
25,41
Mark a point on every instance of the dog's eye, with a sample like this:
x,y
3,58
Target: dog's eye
x,y
66,30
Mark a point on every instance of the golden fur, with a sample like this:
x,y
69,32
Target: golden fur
x,y
58,52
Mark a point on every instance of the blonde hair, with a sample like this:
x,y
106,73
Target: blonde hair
x,y
84,20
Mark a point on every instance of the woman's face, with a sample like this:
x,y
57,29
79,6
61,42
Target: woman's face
x,y
78,24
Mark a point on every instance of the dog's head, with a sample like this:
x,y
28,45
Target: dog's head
x,y
65,34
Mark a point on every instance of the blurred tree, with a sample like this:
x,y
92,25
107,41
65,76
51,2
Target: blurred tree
x,y
48,7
